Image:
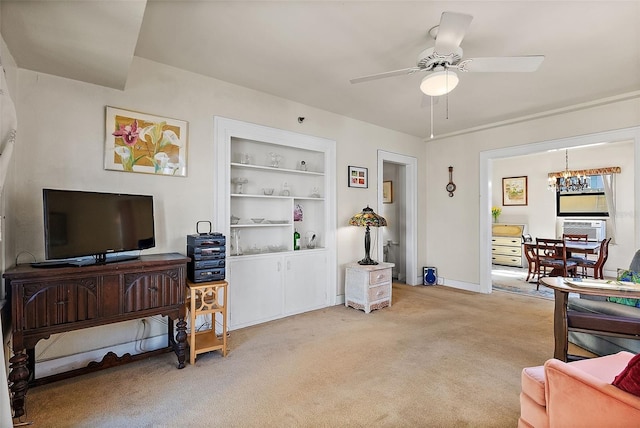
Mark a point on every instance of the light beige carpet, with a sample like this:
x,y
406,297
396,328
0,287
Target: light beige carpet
x,y
437,358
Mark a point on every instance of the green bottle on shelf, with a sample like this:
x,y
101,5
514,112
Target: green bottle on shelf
x,y
296,240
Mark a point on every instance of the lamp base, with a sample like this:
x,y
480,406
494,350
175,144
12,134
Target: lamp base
x,y
367,261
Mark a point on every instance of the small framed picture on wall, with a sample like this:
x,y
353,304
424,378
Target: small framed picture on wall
x,y
358,177
387,192
514,191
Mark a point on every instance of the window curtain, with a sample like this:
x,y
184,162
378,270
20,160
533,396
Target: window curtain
x,y
609,186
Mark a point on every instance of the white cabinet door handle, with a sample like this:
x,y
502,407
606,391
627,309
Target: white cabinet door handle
x,y
279,266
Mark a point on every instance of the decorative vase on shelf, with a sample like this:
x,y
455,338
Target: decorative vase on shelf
x,y
495,218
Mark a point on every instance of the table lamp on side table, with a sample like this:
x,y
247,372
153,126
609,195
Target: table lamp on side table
x,y
367,218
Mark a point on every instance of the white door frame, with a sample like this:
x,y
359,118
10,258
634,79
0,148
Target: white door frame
x,y
486,164
411,210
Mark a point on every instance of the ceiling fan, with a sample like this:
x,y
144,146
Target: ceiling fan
x,y
445,57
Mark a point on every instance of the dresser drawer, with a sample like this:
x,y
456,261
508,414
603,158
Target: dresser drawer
x,y
379,292
505,240
506,260
506,251
379,276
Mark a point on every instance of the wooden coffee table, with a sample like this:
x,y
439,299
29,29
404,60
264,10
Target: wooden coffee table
x,y
606,325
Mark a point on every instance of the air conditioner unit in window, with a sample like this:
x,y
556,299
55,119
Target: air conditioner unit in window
x,y
595,229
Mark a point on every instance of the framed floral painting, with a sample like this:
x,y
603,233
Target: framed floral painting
x,y
514,191
140,142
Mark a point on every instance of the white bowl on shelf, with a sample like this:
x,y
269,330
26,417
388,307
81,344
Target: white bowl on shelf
x,y
257,220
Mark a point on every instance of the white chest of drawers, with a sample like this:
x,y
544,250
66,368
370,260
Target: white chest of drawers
x,y
506,244
368,287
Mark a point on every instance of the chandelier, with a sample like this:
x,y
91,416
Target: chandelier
x,y
568,181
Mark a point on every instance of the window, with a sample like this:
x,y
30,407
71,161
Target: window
x,y
591,201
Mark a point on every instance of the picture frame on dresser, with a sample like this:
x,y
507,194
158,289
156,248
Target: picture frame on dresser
x,y
515,191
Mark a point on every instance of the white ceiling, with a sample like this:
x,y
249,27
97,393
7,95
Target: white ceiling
x,y
307,51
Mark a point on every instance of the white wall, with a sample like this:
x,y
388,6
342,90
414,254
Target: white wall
x,y
61,145
10,70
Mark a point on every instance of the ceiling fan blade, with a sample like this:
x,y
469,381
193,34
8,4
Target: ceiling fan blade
x,y
451,31
502,64
385,74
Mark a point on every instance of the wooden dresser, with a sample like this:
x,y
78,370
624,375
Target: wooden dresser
x,y
506,244
46,301
368,287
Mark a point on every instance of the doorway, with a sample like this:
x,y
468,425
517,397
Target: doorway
x,y
486,185
397,241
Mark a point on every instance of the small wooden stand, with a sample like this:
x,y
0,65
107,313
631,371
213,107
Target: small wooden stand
x,y
206,298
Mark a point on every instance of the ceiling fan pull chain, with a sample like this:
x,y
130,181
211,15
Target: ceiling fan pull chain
x,y
431,111
447,93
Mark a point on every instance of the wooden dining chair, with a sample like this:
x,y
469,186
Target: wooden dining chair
x,y
532,265
597,265
578,258
551,258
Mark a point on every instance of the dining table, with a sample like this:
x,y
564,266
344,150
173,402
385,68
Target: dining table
x,y
585,247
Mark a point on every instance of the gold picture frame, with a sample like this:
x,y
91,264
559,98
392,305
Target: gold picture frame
x,y
144,143
387,192
515,191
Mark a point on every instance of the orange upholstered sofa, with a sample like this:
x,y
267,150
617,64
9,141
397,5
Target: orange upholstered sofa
x,y
577,394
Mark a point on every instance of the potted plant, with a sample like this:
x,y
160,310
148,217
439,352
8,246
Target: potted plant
x,y
495,213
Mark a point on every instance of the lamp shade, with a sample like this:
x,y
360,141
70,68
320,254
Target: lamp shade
x,y
439,83
367,218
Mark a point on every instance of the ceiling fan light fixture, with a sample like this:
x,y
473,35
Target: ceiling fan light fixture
x,y
439,83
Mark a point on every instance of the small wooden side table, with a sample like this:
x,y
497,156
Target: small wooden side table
x,y
207,298
368,287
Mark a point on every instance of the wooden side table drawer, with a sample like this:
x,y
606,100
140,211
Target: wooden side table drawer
x,y
379,276
379,292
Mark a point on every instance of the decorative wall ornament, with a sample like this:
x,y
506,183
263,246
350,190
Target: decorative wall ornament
x,y
140,142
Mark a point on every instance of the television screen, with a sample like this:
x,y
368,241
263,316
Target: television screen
x,y
78,223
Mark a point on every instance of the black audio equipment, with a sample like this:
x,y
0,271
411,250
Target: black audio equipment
x,y
207,252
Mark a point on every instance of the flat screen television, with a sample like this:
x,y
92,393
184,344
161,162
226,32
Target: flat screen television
x,y
78,224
